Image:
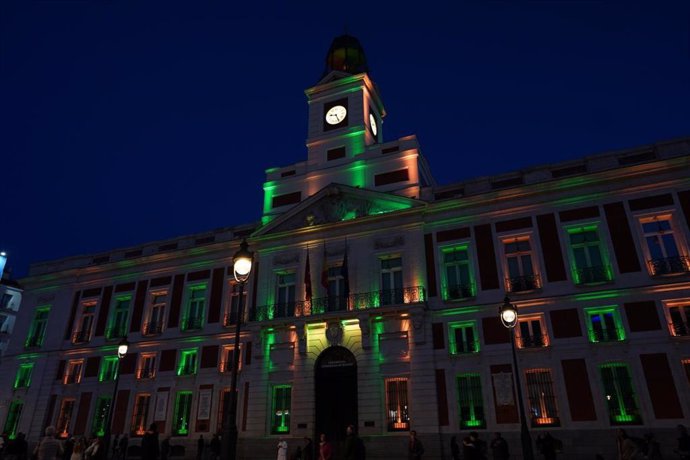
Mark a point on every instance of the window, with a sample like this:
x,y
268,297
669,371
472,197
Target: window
x,y
188,359
117,327
285,307
140,414
391,281
147,366
337,297
109,368
604,324
662,246
619,394
531,332
226,359
458,282
23,378
194,314
520,268
542,402
233,307
12,421
686,367
463,338
5,300
154,325
73,372
100,415
678,314
589,263
280,423
223,408
397,410
64,418
37,330
470,402
82,332
183,408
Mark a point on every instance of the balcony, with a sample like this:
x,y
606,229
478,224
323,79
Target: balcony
x,y
34,342
116,332
460,292
230,319
152,328
523,283
669,265
679,329
192,324
532,341
81,336
72,377
360,301
593,275
466,347
606,335
145,373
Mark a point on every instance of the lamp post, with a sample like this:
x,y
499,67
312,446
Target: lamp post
x,y
509,318
242,266
121,352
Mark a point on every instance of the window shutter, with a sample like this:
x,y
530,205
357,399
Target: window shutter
x,y
565,323
139,301
128,363
551,248
167,362
120,413
103,312
494,331
83,413
248,353
488,271
209,356
92,365
441,398
621,238
642,316
430,265
661,387
216,299
60,370
438,336
578,390
176,301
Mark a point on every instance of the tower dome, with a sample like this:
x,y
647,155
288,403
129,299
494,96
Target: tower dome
x,y
346,55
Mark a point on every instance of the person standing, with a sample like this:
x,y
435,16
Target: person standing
x,y
627,449
149,444
282,449
454,448
547,446
78,450
415,448
200,447
95,450
499,447
49,447
308,451
215,447
325,449
351,443
165,448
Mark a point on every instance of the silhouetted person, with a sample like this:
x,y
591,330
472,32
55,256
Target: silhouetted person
x,y
149,444
499,447
415,448
454,448
308,451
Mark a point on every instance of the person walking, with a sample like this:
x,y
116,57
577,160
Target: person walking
x,y
48,447
454,448
149,444
415,448
282,449
499,447
325,448
546,445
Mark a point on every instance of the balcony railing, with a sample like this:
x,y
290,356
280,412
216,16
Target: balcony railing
x,y
359,301
73,377
81,336
145,373
466,347
460,292
34,341
523,283
680,328
192,324
669,265
187,370
532,341
230,319
152,328
116,332
606,335
591,275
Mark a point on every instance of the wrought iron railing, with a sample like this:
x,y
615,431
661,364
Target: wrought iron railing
x,y
589,275
73,377
152,328
192,324
680,328
669,265
358,301
532,341
34,341
466,346
116,332
465,291
145,373
523,283
81,336
230,319
606,335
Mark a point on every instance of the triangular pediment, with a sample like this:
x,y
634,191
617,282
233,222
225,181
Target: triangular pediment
x,y
337,203
333,75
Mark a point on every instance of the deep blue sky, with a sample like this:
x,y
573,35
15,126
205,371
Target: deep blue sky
x,y
123,122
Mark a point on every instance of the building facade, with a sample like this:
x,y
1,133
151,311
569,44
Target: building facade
x,y
10,300
374,300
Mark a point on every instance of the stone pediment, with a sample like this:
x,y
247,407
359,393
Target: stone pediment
x,y
337,203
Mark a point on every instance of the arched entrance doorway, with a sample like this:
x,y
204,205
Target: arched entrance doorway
x,y
335,382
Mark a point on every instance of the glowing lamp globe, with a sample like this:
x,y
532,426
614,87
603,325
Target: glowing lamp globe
x,y
242,262
508,313
122,348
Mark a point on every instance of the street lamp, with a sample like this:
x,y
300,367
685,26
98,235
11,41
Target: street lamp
x,y
121,353
242,267
509,317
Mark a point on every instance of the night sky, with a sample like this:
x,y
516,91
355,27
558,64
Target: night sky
x,y
123,122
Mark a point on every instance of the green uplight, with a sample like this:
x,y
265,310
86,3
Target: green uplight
x,y
598,295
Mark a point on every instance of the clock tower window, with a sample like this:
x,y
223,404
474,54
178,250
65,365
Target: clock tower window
x,y
336,153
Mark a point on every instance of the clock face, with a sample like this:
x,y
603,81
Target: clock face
x,y
372,123
336,114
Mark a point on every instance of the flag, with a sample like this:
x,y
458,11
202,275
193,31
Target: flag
x,y
307,280
324,270
345,274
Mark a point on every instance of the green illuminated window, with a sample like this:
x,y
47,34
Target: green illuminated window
x,y
470,402
588,263
23,378
193,318
604,324
108,369
100,415
619,394
117,325
183,408
188,360
463,338
37,330
12,420
397,407
458,280
282,395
